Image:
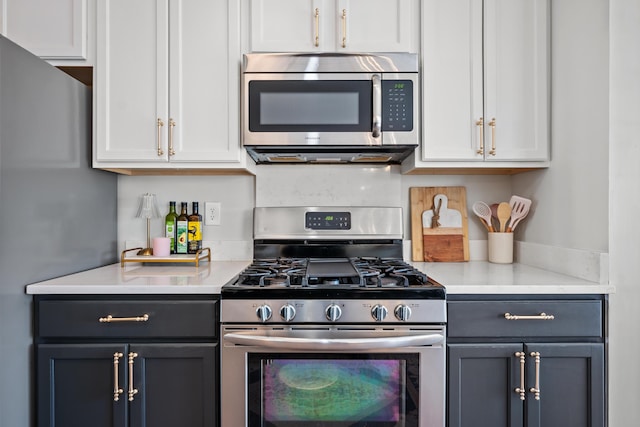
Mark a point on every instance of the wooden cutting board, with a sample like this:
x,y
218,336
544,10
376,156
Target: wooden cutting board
x,y
449,240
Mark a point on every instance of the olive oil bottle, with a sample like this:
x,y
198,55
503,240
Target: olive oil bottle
x,y
170,226
194,242
182,228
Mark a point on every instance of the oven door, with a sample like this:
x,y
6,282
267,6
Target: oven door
x,y
333,377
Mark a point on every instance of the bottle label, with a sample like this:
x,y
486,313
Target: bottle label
x,y
170,229
181,236
195,236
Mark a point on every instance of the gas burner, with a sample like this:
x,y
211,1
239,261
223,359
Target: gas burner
x,y
358,272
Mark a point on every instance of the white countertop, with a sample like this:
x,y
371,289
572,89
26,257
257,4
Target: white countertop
x,y
474,277
481,277
135,278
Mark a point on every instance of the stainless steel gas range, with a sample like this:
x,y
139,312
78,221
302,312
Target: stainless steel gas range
x,y
330,327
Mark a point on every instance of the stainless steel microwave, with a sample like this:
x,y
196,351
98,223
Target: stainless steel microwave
x,y
330,108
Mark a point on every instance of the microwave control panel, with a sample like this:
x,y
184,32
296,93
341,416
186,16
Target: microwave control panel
x,y
397,105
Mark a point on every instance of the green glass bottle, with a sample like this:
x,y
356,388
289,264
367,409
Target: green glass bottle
x,y
170,223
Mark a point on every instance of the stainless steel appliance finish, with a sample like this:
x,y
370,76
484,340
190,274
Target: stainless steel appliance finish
x,y
330,107
318,301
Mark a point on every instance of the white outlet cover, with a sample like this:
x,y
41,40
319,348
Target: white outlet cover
x,y
212,213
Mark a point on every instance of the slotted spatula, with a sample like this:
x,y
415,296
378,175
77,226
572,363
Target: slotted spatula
x,y
519,209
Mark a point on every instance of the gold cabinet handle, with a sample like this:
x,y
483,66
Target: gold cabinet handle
x,y
492,125
521,390
172,124
117,391
110,319
480,124
160,126
536,390
344,28
541,316
317,21
132,391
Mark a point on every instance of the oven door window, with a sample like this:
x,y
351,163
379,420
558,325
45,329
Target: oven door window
x,y
310,106
333,390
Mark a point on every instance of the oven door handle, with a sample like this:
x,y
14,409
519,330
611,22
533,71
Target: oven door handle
x,y
340,344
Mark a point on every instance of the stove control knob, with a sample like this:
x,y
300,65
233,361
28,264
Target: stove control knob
x,y
402,312
333,312
264,312
379,312
287,312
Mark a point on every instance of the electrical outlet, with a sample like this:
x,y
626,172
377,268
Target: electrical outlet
x,y
212,213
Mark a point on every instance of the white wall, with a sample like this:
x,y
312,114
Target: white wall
x,y
624,201
570,207
289,185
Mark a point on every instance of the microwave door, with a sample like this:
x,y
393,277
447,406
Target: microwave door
x,y
312,109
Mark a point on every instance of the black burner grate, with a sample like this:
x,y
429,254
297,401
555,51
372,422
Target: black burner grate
x,y
360,272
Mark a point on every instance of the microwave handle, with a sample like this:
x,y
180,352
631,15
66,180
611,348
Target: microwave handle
x,y
377,106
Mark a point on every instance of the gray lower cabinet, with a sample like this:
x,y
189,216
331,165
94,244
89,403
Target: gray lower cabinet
x,y
528,370
127,371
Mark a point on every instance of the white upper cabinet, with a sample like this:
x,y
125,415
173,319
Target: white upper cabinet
x,y
485,84
334,25
167,85
53,30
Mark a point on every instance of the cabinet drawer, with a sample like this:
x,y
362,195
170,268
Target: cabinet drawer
x,y
166,319
487,319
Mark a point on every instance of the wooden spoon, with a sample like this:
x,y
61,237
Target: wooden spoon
x,y
504,213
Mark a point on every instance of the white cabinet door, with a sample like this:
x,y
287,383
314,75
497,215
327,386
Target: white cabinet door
x,y
49,29
291,25
516,92
377,25
485,81
204,82
131,81
334,25
452,79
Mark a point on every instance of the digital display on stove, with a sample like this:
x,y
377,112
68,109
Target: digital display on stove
x,y
328,220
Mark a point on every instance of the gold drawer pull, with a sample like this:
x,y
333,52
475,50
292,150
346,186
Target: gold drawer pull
x,y
536,390
117,391
111,319
521,390
480,124
541,316
132,391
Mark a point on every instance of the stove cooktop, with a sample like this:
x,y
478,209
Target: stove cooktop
x,y
358,277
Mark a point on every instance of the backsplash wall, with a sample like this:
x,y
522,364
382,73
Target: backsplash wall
x,y
289,185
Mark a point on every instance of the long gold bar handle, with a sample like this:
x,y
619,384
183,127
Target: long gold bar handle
x,y
492,124
111,319
480,124
132,391
317,20
541,316
344,28
117,391
521,390
172,124
160,126
536,390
